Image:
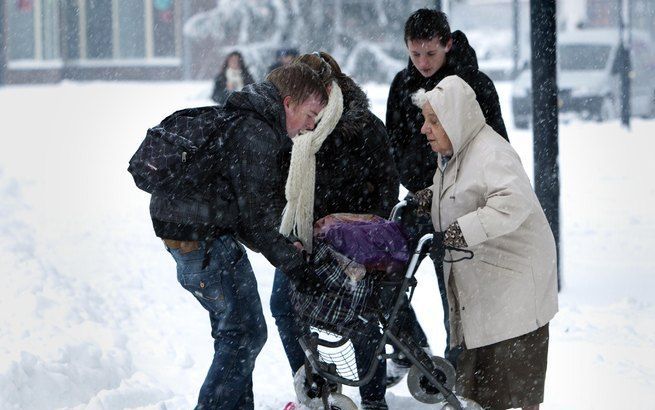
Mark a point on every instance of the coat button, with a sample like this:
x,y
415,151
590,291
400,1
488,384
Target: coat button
x,y
463,308
202,284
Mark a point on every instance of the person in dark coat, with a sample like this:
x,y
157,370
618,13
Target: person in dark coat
x,y
283,56
355,173
204,232
233,77
434,53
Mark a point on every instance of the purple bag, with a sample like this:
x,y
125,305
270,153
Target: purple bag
x,y
374,242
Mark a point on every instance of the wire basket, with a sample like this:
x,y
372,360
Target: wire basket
x,y
338,351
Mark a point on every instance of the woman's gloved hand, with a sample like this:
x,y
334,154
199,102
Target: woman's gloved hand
x,y
424,201
453,236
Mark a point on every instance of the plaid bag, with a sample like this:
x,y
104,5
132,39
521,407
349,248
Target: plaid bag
x,y
344,305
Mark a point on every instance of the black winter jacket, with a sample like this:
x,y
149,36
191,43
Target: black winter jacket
x,y
247,197
415,161
355,171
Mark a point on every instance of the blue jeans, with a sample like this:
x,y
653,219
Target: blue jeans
x,y
220,277
290,331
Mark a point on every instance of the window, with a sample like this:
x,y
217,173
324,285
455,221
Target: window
x,y
573,57
131,29
164,28
34,30
92,29
21,30
98,23
71,32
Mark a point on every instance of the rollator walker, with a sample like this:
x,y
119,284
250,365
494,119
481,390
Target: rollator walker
x,y
330,356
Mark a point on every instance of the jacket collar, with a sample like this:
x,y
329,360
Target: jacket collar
x,y
264,101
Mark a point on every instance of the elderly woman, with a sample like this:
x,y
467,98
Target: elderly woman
x,y
502,299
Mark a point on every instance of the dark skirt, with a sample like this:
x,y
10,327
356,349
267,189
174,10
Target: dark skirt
x,y
507,374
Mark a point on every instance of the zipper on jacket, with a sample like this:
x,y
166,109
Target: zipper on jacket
x,y
443,172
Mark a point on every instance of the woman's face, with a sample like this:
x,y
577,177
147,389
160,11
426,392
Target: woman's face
x,y
434,132
233,62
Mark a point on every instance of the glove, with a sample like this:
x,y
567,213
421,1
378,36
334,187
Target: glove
x,y
453,236
452,239
305,280
424,201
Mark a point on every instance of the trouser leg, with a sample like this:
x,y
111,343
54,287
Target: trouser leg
x,y
226,287
286,321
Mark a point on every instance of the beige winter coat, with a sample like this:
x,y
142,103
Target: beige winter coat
x,y
509,288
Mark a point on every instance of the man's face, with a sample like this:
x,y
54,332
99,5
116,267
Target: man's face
x,y
428,56
301,117
286,59
435,133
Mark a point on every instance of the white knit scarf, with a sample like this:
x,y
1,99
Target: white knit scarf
x,y
298,215
233,79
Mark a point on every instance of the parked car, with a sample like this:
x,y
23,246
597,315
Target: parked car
x,y
588,77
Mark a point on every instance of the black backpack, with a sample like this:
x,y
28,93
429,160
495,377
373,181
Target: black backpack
x,y
181,154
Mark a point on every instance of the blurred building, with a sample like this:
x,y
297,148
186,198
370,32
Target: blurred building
x,y
51,40
604,13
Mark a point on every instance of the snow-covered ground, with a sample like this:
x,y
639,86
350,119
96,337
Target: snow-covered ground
x,y
92,317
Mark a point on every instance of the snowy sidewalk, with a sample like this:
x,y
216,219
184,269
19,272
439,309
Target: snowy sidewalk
x,y
91,315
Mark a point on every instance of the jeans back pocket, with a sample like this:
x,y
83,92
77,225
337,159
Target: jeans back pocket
x,y
204,282
204,285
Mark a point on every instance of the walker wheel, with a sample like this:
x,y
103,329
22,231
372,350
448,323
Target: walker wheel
x,y
422,390
340,401
303,393
465,403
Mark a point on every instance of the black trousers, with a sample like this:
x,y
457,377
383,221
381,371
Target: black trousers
x,y
417,226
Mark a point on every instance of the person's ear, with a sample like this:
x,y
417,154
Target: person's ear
x,y
287,102
449,44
